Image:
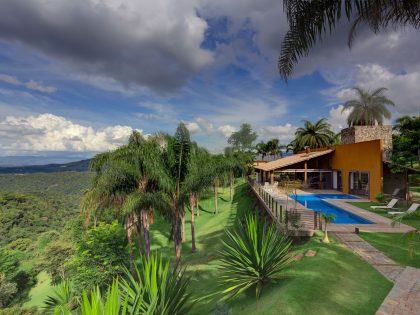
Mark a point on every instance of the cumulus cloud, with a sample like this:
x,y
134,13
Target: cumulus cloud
x,y
152,43
31,84
226,130
285,133
402,87
48,132
338,118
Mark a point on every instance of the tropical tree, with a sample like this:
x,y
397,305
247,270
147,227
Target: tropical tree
x,y
197,180
314,135
243,139
406,141
262,149
310,22
328,218
369,108
253,254
129,179
176,160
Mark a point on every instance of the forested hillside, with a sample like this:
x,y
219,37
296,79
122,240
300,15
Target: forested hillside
x,y
38,215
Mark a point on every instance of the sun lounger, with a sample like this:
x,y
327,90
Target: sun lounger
x,y
390,205
412,208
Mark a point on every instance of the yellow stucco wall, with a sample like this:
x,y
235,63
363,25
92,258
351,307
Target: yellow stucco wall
x,y
363,156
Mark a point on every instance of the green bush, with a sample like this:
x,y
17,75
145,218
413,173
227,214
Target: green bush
x,y
253,254
380,197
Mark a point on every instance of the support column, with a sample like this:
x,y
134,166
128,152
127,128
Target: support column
x,y
306,174
271,177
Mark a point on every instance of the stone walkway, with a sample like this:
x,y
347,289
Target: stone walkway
x,y
385,265
404,298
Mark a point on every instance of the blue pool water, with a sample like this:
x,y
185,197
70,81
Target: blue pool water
x,y
316,203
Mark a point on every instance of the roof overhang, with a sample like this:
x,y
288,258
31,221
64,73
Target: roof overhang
x,y
291,160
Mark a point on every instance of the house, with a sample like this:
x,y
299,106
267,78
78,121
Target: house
x,y
358,166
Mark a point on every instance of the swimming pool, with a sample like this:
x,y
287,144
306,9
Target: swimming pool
x,y
316,203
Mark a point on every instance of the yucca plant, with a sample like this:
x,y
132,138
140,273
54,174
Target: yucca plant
x,y
63,300
328,218
253,254
159,286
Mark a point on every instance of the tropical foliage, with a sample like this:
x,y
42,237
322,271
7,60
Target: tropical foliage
x,y
406,141
369,108
243,139
313,135
328,218
154,288
271,148
310,22
254,254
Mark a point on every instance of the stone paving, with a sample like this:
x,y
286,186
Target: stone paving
x,y
404,298
385,265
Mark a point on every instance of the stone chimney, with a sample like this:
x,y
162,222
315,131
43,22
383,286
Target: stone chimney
x,y
357,134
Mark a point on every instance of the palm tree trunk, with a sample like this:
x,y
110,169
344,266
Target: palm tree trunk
x,y
183,225
146,234
95,221
177,233
231,185
197,197
216,187
192,204
129,229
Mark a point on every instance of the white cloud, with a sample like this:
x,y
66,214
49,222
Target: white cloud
x,y
193,127
403,88
48,132
285,133
9,79
338,118
226,130
31,84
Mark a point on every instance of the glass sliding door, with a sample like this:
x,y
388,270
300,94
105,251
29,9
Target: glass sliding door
x,y
359,183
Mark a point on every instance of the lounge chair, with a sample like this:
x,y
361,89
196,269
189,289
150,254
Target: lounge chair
x,y
390,205
412,208
394,193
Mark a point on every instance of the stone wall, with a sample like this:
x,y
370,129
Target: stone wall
x,y
366,133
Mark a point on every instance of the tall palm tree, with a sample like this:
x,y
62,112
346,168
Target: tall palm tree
x,y
310,21
176,153
274,147
314,135
196,181
369,108
129,179
262,149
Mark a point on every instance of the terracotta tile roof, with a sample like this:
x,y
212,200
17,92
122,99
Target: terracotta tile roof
x,y
290,160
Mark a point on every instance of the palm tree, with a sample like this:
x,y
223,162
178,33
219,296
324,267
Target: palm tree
x,y
315,135
369,108
328,218
262,149
196,181
129,179
310,21
274,147
176,153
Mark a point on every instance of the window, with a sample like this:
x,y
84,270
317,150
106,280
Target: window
x,y
359,183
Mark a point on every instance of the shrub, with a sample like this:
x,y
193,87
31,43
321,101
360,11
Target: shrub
x,y
380,197
253,254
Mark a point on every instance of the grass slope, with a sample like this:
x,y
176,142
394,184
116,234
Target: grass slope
x,y
335,281
412,220
395,247
39,292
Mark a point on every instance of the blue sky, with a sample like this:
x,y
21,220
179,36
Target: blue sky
x,y
76,78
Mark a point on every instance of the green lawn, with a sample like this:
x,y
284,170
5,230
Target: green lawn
x,y
335,281
40,291
412,220
394,246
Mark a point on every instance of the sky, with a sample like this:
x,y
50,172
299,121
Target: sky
x,y
76,77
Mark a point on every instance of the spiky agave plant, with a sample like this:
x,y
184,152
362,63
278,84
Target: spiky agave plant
x,y
159,286
253,254
62,301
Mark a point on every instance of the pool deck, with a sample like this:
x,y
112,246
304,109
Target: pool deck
x,y
380,223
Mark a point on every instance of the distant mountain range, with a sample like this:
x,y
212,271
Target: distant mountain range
x,y
78,166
